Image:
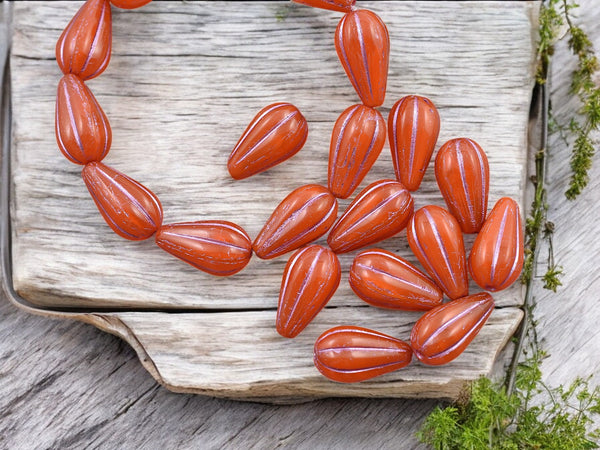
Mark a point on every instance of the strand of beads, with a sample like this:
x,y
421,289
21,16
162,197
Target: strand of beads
x,y
384,208
84,136
381,210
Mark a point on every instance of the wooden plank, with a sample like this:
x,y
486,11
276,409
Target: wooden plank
x,y
182,84
66,385
167,100
240,355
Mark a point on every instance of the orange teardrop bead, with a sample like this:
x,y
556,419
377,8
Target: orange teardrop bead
x,y
496,259
385,280
349,354
463,175
362,43
443,333
82,130
332,5
84,46
435,238
303,216
275,134
413,128
378,212
311,277
130,209
214,246
129,4
356,142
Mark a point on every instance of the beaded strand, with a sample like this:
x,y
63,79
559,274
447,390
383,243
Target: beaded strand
x,y
381,210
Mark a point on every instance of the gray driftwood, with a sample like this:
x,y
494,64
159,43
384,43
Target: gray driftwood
x,y
184,80
67,385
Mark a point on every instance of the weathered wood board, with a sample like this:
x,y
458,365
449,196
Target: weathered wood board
x,y
240,355
184,80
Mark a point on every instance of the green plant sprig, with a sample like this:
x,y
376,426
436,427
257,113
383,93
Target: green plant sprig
x,y
550,22
554,14
488,416
525,413
537,225
588,92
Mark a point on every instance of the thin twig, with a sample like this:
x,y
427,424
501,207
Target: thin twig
x,y
540,193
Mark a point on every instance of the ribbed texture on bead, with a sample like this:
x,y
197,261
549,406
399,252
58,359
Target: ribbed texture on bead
x,y
84,46
413,128
462,173
356,142
435,238
310,279
129,208
349,354
443,333
275,134
83,133
496,258
304,215
385,280
362,43
214,246
378,212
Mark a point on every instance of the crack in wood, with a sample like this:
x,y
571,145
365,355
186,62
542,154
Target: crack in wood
x,y
32,391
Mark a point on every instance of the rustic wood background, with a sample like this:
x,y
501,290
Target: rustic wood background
x,y
65,385
182,85
476,65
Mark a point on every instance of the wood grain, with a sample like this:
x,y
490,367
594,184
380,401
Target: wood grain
x,y
68,385
568,320
191,353
173,103
180,89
